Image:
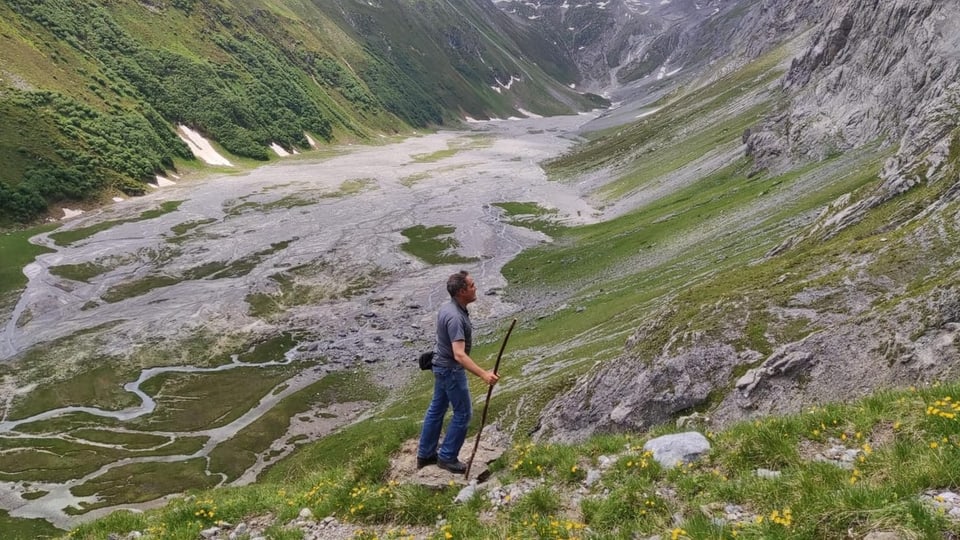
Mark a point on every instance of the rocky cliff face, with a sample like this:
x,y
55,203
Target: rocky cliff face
x,y
870,73
873,71
620,41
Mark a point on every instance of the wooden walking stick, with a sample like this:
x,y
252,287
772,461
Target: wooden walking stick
x,y
483,418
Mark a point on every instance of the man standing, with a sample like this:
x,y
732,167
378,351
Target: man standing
x,y
450,360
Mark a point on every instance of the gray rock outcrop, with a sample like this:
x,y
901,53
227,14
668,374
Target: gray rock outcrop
x,y
677,448
873,72
855,352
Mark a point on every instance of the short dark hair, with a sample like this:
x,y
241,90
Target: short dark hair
x,y
457,282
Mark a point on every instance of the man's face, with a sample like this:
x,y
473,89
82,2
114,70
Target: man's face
x,y
469,293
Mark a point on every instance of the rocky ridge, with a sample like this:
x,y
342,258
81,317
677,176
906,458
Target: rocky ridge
x,y
619,41
873,72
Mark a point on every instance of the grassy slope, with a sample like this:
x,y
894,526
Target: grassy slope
x,y
807,499
16,252
244,73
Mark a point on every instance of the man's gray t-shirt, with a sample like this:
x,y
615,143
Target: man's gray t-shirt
x,y
453,324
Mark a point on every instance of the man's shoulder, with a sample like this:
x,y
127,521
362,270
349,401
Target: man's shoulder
x,y
450,310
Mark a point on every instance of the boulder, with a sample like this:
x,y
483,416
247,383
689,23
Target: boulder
x,y
678,448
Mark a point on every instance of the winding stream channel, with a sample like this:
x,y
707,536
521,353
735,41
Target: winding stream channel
x,y
341,216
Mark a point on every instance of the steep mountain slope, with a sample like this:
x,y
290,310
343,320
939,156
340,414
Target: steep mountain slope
x,y
91,93
620,41
779,227
859,296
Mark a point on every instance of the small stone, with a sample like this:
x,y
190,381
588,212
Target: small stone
x,y
950,497
767,473
306,513
882,535
593,476
210,533
466,493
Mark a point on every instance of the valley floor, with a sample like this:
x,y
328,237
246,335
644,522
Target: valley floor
x,y
309,246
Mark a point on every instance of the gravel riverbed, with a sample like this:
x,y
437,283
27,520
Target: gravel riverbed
x,y
334,224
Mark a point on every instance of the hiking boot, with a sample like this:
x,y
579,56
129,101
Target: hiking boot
x,y
424,461
456,466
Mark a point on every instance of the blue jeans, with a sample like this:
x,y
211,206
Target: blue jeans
x,y
449,388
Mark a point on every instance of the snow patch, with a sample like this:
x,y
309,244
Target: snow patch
x,y
663,72
201,147
277,149
164,182
505,86
313,143
648,112
528,113
68,213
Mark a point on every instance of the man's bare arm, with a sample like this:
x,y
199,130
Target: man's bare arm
x,y
461,356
